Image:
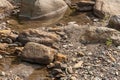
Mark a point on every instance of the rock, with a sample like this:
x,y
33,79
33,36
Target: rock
x,y
73,78
19,72
5,32
100,34
85,5
38,36
38,53
114,22
118,47
3,46
1,56
47,11
78,65
80,54
2,73
57,71
97,78
70,70
51,65
7,40
104,8
60,57
2,24
60,65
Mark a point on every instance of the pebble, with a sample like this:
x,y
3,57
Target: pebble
x,y
51,65
81,54
70,70
95,20
1,56
78,65
90,53
97,78
73,78
2,73
118,47
57,71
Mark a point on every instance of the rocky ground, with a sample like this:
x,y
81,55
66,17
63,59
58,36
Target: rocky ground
x,y
80,46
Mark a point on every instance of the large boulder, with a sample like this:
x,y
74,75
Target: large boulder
x,y
47,10
38,53
104,8
38,36
114,22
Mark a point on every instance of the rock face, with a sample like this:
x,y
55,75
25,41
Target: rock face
x,y
103,8
115,22
38,36
38,53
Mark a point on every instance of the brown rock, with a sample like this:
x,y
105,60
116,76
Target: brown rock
x,y
38,36
3,46
38,53
60,57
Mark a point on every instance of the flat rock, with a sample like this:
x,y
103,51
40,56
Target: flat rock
x,y
38,36
103,8
38,53
100,34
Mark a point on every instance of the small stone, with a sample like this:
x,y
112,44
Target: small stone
x,y
60,57
3,46
51,65
116,73
118,47
73,78
60,75
78,65
2,73
90,53
95,20
80,54
60,65
57,71
70,70
97,78
65,46
1,56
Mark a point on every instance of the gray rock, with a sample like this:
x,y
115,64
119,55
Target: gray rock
x,y
104,8
114,22
23,70
100,34
38,53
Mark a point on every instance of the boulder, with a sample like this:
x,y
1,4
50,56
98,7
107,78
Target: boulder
x,y
38,53
38,36
114,22
47,11
104,8
100,34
